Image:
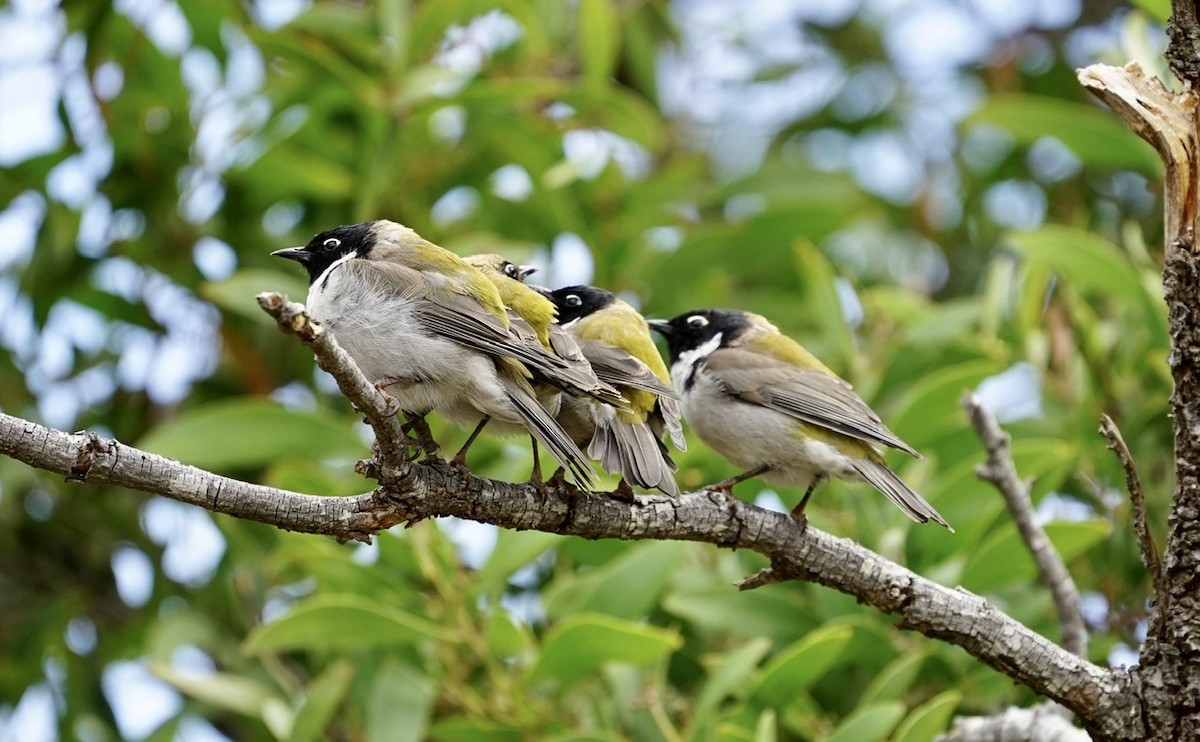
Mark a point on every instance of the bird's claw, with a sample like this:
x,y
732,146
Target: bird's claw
x,y
623,492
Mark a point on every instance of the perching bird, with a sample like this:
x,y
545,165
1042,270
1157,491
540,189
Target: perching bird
x,y
431,329
533,315
769,406
616,340
531,312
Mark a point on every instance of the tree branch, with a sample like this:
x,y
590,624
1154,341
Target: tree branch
x,y
379,410
1165,120
1045,722
1183,50
1167,679
1001,472
434,488
1146,545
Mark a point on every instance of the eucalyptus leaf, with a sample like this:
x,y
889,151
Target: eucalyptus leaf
x,y
245,432
339,622
579,644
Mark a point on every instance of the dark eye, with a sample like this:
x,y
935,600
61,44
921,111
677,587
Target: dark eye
x,y
573,300
697,321
510,270
332,242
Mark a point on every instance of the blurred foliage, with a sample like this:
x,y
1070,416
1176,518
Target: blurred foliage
x,y
1018,248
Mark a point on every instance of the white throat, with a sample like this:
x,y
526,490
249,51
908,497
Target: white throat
x,y
321,279
685,364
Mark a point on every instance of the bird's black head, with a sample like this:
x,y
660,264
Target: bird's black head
x,y
574,302
693,329
330,246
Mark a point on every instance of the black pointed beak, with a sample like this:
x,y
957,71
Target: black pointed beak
x,y
299,254
524,271
661,326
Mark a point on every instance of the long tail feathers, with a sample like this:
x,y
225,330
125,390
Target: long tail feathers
x,y
550,434
886,481
633,451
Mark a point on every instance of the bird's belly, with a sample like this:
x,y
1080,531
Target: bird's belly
x,y
384,338
750,436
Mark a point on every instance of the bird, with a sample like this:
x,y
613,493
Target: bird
x,y
530,311
762,401
534,315
431,329
617,342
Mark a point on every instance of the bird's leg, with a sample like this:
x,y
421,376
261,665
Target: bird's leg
x,y
798,511
460,458
558,479
418,430
624,491
535,476
725,486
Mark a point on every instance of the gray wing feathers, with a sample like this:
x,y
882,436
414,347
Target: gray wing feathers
x,y
673,420
616,366
634,452
459,319
549,433
882,478
811,396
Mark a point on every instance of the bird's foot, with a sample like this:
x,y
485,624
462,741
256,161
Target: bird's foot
x,y
393,404
623,492
418,431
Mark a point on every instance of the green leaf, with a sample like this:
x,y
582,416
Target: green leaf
x,y
339,622
476,730
1003,560
1096,268
223,690
781,615
819,287
322,698
728,675
792,671
766,729
1090,262
894,681
868,723
932,404
929,719
291,171
627,587
581,643
599,40
505,637
1159,10
1095,135
514,550
400,704
249,432
236,293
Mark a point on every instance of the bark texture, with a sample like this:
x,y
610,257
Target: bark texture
x,y
1167,679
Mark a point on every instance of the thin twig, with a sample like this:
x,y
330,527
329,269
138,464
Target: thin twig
x,y
379,410
1146,545
1002,473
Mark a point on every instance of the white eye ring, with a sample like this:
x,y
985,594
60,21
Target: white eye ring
x,y
332,242
510,270
697,321
573,300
